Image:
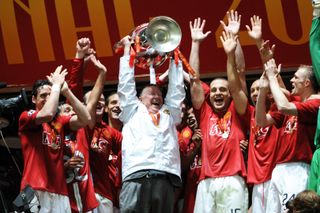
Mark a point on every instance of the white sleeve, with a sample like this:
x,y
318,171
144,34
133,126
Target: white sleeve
x,y
176,93
127,90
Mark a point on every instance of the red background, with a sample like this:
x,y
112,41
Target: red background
x,y
213,58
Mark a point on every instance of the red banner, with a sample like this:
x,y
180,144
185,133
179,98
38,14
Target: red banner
x,y
38,35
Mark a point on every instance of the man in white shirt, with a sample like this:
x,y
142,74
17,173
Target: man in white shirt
x,y
150,150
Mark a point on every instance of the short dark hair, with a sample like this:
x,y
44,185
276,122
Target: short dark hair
x,y
108,98
38,84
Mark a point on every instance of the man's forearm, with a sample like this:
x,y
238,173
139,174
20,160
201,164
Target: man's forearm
x,y
280,99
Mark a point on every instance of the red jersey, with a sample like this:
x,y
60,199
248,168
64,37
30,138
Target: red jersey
x,y
79,180
193,174
261,153
114,174
42,149
75,81
105,140
221,154
297,132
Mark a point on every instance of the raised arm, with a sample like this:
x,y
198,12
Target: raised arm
x,y
163,78
49,110
97,90
234,21
126,86
197,36
239,97
75,81
261,117
82,117
176,93
280,99
255,32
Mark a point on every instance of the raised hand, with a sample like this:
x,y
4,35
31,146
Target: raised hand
x,y
82,46
196,29
255,31
229,42
126,42
99,66
90,52
58,76
234,20
270,68
266,53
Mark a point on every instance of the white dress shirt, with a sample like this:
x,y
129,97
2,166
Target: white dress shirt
x,y
145,145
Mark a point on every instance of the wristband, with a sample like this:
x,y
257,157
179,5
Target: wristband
x,y
55,88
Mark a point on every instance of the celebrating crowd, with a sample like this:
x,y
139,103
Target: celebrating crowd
x,y
158,151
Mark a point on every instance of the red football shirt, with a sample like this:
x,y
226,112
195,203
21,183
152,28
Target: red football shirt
x,y
261,153
104,140
221,154
297,133
79,180
42,149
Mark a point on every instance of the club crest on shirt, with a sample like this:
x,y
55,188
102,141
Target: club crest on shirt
x,y
186,133
31,112
166,111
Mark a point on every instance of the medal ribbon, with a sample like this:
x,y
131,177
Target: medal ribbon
x,y
155,118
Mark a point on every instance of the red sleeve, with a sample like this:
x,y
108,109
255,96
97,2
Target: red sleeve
x,y
62,122
201,112
308,111
28,120
294,98
206,89
246,117
75,81
276,115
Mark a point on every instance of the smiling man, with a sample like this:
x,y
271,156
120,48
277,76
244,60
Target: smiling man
x,y
150,149
112,110
298,123
223,120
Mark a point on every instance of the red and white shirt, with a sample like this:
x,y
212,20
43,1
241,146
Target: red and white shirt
x,y
297,132
42,149
221,154
79,180
262,150
105,140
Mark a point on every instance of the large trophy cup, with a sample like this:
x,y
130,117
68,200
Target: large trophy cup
x,y
153,43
